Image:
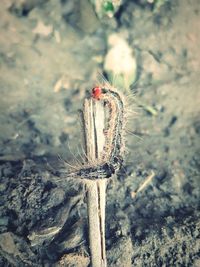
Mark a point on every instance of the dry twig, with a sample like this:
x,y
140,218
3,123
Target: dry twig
x,y
96,190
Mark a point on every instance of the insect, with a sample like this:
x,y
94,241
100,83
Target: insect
x,y
111,158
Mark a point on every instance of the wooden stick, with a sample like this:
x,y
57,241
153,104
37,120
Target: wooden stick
x,y
96,193
93,118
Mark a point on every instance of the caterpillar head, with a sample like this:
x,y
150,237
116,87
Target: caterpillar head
x,y
97,92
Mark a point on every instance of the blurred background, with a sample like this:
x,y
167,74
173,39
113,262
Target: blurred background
x,y
51,54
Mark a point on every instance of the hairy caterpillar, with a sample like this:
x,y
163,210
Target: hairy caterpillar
x,y
111,158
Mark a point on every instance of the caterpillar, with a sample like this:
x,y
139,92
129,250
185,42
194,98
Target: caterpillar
x,y
111,159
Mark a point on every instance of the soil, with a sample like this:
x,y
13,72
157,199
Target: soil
x,y
50,55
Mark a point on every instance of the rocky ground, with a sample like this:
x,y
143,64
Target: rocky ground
x,y
50,54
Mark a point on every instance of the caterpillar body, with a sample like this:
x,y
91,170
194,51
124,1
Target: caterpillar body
x,y
112,156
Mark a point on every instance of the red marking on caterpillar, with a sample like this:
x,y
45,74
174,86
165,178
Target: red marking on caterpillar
x,y
96,92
